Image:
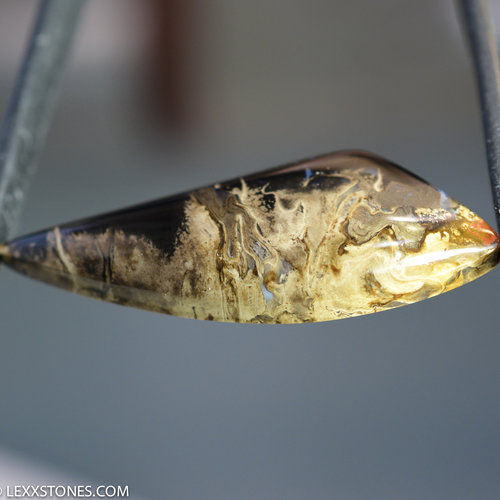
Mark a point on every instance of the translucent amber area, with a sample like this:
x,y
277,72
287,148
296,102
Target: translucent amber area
x,y
333,237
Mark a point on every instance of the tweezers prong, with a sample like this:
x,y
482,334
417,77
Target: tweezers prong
x,y
481,37
30,107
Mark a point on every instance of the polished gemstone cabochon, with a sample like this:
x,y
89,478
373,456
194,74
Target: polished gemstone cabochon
x,y
336,236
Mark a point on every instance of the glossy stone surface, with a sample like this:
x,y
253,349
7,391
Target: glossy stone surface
x,y
337,236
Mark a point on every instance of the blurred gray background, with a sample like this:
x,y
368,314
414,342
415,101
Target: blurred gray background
x,y
400,404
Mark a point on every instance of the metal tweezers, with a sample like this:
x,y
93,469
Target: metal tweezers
x,y
30,109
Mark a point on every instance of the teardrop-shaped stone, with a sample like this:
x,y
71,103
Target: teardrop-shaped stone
x,y
340,235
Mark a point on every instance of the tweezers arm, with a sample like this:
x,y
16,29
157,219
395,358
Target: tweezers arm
x,y
30,108
481,37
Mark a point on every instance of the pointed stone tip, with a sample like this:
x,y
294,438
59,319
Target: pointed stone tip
x,y
484,232
478,240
